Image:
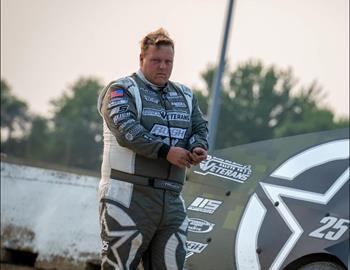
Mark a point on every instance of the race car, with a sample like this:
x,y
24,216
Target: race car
x,y
275,204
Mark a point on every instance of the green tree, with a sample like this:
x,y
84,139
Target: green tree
x,y
38,143
76,137
258,103
14,113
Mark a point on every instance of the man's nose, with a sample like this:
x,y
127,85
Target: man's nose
x,y
162,65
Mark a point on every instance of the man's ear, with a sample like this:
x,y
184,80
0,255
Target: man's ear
x,y
141,57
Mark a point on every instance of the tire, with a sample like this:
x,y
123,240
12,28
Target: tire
x,y
322,266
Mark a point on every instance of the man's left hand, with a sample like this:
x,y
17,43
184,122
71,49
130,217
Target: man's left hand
x,y
198,154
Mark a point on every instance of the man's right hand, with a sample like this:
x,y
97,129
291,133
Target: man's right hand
x,y
179,157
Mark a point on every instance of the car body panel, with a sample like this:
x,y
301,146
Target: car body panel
x,y
265,205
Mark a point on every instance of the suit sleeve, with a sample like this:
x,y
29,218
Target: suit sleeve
x,y
199,136
120,114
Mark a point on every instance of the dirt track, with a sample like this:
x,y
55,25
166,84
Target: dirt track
x,y
5,266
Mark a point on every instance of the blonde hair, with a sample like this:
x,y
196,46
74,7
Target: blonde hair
x,y
157,38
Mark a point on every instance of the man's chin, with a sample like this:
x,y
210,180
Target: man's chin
x,y
160,82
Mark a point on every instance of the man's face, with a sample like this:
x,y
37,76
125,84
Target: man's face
x,y
156,64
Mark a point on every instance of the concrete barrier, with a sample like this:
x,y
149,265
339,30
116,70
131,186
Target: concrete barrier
x,y
51,214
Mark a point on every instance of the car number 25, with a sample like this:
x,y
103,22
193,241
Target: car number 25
x,y
332,229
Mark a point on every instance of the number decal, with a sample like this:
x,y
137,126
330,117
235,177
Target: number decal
x,y
332,230
329,222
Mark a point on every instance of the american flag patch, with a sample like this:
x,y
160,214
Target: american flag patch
x,y
117,93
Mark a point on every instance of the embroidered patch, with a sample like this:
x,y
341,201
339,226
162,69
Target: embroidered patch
x,y
151,99
119,109
148,92
133,132
161,130
179,104
116,102
172,94
179,116
148,138
192,140
124,124
170,115
119,117
129,136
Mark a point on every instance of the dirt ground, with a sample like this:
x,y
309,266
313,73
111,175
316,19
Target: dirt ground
x,y
5,266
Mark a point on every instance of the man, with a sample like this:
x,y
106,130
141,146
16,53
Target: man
x,y
153,130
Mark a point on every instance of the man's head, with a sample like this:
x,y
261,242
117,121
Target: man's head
x,y
157,56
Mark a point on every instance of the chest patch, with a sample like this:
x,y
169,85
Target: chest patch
x,y
167,115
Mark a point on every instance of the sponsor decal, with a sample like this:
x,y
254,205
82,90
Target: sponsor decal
x,y
148,92
154,112
117,93
172,94
224,169
204,205
192,140
194,247
119,109
123,125
161,130
133,132
148,138
179,116
179,104
170,115
129,136
119,117
175,98
198,225
136,130
115,102
151,99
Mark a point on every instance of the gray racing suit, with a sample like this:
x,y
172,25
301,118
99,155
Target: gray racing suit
x,y
142,213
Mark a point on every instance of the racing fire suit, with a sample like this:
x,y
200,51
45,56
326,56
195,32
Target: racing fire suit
x,y
142,213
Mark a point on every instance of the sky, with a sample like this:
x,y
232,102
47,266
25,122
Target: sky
x,y
47,45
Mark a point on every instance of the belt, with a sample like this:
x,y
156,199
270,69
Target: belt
x,y
146,181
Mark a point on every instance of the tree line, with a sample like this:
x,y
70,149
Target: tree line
x,y
258,102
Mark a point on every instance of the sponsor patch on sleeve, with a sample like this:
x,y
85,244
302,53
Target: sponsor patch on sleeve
x,y
118,110
116,102
120,117
133,132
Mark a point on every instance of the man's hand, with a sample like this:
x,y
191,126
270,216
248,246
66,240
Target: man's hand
x,y
179,157
198,154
